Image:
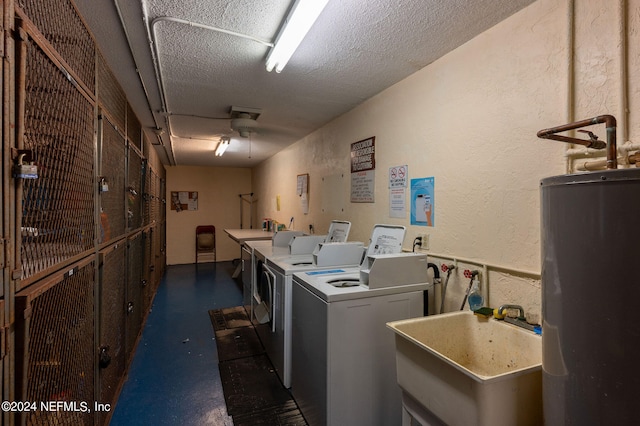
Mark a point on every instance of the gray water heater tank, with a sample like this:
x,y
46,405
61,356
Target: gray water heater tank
x,y
591,298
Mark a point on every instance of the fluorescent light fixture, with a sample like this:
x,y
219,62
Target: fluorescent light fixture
x,y
222,146
300,20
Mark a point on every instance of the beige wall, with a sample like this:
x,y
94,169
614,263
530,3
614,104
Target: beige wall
x,y
218,205
470,120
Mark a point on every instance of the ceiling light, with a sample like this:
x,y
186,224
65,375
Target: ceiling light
x,y
302,16
222,146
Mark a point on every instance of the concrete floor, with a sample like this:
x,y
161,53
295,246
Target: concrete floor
x,y
174,377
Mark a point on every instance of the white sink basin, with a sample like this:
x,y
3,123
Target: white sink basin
x,y
463,369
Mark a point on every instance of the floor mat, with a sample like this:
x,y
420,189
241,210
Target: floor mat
x,y
286,415
250,385
224,319
253,393
237,343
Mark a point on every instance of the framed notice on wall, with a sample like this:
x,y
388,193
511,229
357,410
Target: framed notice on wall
x,y
302,184
363,170
184,200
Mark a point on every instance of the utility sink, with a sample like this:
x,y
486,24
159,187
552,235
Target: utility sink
x,y
463,369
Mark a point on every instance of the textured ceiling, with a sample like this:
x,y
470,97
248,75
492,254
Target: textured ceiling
x,y
355,50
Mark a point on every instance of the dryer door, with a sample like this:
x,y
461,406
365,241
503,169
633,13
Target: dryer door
x,y
265,294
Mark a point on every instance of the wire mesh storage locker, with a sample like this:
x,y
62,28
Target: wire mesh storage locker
x,y
60,25
157,254
88,243
147,196
111,97
163,200
55,345
112,201
148,275
113,317
134,188
134,130
134,291
58,207
154,183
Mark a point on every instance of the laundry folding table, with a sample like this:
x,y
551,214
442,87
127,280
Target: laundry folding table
x,y
242,235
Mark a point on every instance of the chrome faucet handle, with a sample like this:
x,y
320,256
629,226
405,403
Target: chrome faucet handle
x,y
518,307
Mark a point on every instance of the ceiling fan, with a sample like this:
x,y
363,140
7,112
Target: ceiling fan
x,y
241,120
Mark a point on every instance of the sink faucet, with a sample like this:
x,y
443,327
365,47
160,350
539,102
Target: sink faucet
x,y
520,320
520,309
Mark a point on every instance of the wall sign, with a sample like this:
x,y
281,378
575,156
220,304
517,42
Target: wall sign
x,y
302,184
363,165
422,201
398,177
302,189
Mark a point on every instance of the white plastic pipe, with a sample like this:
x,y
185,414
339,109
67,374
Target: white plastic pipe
x,y
623,116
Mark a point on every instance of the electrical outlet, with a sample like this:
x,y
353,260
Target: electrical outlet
x,y
424,245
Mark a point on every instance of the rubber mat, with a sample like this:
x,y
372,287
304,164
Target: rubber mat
x,y
250,384
252,390
237,343
227,318
286,415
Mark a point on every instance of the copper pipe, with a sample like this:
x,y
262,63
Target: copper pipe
x,y
610,123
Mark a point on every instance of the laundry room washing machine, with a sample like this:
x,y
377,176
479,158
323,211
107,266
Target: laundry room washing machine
x,y
343,356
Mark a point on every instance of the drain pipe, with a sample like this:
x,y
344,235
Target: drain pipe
x,y
593,142
436,280
624,74
571,28
436,272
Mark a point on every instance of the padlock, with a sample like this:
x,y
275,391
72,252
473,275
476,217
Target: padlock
x,y
25,171
103,185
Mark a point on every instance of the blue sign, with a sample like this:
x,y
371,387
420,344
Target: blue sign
x,y
422,201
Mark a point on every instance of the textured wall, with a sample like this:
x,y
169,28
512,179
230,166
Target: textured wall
x,y
218,205
470,120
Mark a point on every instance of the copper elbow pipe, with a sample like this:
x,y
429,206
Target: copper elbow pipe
x,y
610,123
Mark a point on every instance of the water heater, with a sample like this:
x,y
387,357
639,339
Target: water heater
x,y
591,297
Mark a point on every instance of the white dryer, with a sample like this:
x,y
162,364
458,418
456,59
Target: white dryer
x,y
254,253
277,338
272,318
